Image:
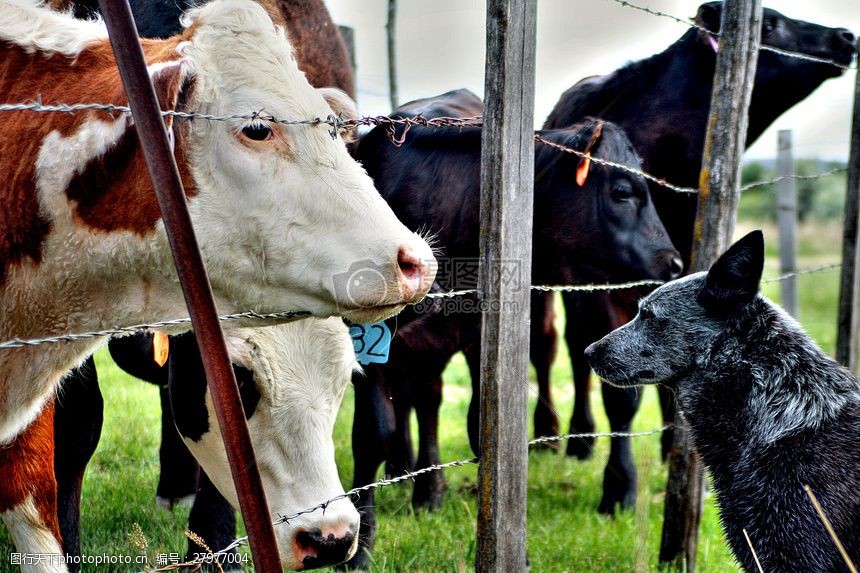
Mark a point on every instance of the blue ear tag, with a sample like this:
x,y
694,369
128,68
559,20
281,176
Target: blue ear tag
x,y
371,342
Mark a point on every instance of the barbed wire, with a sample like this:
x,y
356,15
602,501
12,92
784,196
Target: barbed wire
x,y
384,482
755,184
296,314
763,47
627,168
338,124
248,315
801,272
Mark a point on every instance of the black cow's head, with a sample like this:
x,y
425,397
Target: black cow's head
x,y
597,222
782,80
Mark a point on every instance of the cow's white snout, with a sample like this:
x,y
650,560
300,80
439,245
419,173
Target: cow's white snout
x,y
324,539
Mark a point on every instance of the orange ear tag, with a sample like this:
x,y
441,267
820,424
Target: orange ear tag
x,y
160,348
582,170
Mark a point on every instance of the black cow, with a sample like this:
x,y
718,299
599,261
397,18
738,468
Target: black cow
x,y
78,417
662,102
604,230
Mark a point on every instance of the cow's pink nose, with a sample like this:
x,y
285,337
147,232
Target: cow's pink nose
x,y
414,271
322,547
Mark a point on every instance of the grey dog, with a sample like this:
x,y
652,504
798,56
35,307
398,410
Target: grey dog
x,y
768,411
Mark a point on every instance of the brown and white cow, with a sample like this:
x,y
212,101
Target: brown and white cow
x,y
282,213
283,216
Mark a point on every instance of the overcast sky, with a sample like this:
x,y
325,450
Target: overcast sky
x,y
441,47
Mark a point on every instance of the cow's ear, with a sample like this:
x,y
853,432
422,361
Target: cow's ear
x,y
343,106
172,84
733,281
709,16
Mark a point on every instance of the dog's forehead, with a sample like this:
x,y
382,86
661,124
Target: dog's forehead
x,y
679,292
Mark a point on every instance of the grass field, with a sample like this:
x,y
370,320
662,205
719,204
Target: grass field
x,y
565,533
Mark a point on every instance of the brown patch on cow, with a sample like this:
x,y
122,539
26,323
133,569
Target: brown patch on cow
x,y
27,467
90,77
319,48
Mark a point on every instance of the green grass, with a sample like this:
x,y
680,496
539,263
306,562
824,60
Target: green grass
x,y
565,533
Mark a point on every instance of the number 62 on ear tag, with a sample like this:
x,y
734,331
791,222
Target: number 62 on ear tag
x,y
371,342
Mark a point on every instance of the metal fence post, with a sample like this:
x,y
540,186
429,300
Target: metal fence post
x,y
849,290
507,179
194,281
786,218
719,192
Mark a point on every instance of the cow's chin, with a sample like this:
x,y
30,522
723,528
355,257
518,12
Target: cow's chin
x,y
366,315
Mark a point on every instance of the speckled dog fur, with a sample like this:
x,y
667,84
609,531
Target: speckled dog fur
x,y
768,411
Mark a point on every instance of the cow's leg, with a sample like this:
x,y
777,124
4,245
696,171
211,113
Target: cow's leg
x,y
214,520
28,493
619,477
667,406
621,404
78,417
372,427
542,350
473,359
430,487
577,334
401,454
177,480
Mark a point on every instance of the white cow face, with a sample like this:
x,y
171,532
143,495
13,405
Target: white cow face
x,y
286,218
292,378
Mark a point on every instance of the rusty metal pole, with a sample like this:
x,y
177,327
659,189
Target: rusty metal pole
x,y
195,283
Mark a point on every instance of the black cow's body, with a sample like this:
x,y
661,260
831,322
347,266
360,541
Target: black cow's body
x,y
605,230
78,417
662,102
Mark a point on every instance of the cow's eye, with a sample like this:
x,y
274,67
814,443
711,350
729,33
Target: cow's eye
x,y
768,26
622,193
645,313
257,132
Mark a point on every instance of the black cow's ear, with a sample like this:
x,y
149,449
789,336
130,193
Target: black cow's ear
x,y
733,281
709,16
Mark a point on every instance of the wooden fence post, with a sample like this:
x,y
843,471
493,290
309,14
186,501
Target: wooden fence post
x,y
786,218
719,192
507,179
348,35
849,292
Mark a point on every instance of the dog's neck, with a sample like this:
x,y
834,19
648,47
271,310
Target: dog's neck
x,y
763,380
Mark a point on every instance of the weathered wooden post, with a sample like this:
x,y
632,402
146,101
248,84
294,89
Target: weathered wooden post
x,y
348,35
719,192
194,282
849,291
786,219
391,34
507,178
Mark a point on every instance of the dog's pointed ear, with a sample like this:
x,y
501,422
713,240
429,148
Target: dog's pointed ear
x,y
733,281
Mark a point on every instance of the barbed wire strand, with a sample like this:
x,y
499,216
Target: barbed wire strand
x,y
763,47
384,482
627,168
775,180
296,314
338,124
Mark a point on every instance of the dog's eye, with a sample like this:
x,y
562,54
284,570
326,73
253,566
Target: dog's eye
x,y
645,313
